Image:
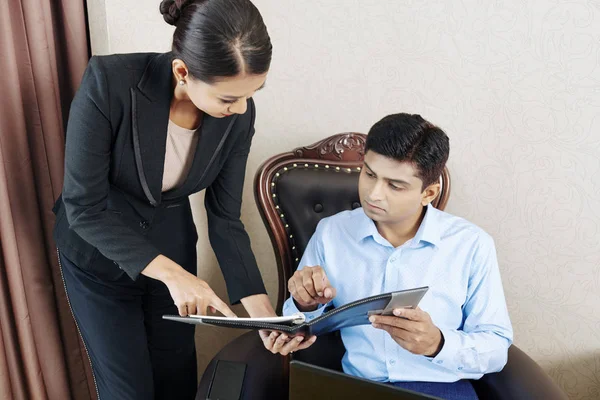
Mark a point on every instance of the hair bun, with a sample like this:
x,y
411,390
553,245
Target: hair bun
x,y
171,10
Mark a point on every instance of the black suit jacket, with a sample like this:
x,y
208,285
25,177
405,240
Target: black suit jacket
x,y
112,217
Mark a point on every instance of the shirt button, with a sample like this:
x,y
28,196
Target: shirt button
x,y
144,224
460,368
439,362
392,362
393,259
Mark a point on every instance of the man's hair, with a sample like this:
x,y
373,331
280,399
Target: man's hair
x,y
410,138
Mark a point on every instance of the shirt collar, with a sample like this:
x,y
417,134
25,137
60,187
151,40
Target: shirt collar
x,y
429,230
365,226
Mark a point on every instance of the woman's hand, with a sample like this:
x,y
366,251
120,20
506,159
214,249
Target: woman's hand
x,y
258,305
191,294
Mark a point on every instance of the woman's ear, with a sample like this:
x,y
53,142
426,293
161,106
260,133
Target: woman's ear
x,y
179,69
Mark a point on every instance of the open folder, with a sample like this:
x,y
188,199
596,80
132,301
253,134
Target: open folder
x,y
351,314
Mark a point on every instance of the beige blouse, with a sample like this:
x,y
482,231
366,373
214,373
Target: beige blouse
x,y
181,146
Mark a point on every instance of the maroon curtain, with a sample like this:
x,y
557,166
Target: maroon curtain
x,y
43,52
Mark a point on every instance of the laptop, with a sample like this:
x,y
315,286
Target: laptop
x,y
309,381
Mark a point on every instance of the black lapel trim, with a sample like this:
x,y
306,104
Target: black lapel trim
x,y
190,185
218,149
137,151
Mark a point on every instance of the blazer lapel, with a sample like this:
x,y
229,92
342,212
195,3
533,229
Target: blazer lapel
x,y
150,103
213,134
150,107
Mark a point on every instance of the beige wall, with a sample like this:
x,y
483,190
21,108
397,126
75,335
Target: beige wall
x,y
515,84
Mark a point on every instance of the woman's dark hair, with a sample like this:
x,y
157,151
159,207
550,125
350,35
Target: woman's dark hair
x,y
410,138
218,38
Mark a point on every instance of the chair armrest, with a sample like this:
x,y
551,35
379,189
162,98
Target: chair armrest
x,y
521,379
326,352
266,373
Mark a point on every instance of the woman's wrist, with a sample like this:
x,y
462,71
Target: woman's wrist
x,y
162,269
258,305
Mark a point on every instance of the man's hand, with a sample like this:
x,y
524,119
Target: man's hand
x,y
413,330
310,287
277,342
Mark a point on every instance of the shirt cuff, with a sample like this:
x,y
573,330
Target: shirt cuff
x,y
448,354
290,307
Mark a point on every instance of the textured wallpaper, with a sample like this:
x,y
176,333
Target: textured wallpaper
x,y
516,85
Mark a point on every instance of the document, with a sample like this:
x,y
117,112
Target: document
x,y
351,314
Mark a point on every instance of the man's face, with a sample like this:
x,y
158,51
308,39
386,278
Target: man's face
x,y
390,191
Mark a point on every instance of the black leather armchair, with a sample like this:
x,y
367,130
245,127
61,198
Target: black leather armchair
x,y
294,191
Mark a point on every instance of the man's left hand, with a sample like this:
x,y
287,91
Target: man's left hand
x,y
412,329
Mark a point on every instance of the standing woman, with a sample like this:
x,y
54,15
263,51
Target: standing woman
x,y
145,131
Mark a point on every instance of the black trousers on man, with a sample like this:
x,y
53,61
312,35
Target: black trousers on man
x,y
135,354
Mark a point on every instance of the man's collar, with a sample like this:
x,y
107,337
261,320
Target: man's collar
x,y
429,230
365,227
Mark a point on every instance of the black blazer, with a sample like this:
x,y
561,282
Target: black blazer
x,y
112,217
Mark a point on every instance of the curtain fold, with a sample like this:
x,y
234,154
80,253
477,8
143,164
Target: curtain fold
x,y
43,53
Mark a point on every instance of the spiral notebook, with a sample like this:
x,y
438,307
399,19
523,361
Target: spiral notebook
x,y
351,314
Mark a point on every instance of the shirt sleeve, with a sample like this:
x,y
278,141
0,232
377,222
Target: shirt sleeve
x,y
313,256
481,346
227,234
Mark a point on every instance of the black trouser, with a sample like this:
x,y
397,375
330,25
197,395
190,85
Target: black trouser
x,y
135,354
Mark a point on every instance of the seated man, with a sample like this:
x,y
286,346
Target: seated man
x,y
396,241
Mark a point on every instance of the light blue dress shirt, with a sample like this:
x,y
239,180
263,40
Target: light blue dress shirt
x,y
455,258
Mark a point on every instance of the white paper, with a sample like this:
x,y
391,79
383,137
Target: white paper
x,y
296,319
